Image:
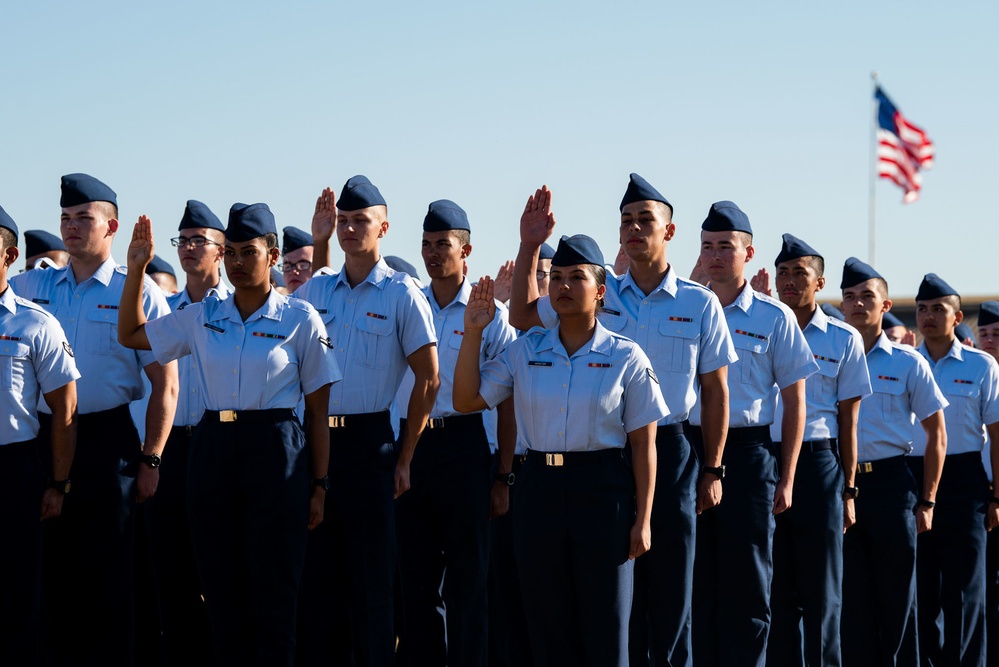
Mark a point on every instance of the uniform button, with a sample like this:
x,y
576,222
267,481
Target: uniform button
x,y
194,391
560,432
6,349
642,327
77,296
336,402
237,347
235,370
346,326
564,385
72,319
341,349
563,409
234,395
646,302
350,300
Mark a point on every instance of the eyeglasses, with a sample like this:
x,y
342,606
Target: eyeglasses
x,y
193,242
541,275
303,265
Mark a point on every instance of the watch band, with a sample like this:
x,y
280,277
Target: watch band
x,y
851,492
923,502
63,486
322,482
507,478
718,471
151,460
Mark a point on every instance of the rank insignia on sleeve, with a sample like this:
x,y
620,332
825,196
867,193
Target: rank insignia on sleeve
x,y
652,375
328,342
68,349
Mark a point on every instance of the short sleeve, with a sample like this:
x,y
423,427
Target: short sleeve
x,y
496,377
926,397
53,359
716,349
414,320
155,306
791,357
170,336
643,399
317,365
547,314
990,393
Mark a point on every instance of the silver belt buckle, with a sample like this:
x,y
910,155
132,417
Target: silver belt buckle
x,y
338,421
865,467
435,422
227,416
555,460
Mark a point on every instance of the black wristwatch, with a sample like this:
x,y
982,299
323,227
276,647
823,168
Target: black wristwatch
x,y
718,472
923,502
851,492
151,460
322,482
507,478
61,485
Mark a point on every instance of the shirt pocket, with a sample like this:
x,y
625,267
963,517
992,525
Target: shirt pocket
x,y
889,394
373,341
677,346
964,401
821,387
102,328
751,366
13,356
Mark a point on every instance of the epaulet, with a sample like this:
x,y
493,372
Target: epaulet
x,y
121,269
26,303
833,322
301,304
687,282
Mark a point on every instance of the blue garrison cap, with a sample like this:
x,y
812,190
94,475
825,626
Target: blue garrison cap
x,y
794,248
963,332
444,215
578,249
197,215
8,223
889,321
988,313
640,189
249,221
37,241
832,311
547,252
358,192
399,264
277,278
856,272
159,265
82,189
725,216
934,287
295,238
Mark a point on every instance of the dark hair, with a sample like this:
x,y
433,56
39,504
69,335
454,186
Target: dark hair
x,y
270,240
7,239
599,274
463,235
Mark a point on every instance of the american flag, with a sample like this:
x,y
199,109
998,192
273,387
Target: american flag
x,y
903,148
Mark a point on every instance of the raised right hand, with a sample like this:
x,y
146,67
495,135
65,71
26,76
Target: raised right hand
x,y
140,250
481,307
324,219
537,221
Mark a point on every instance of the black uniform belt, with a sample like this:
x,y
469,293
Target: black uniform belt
x,y
187,430
748,435
361,421
821,445
893,463
560,459
230,416
669,430
448,423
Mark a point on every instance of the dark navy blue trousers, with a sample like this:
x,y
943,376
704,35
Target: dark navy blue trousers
x,y
249,506
183,615
879,569
950,565
88,561
664,577
807,588
992,597
572,528
733,564
348,586
22,482
442,526
509,643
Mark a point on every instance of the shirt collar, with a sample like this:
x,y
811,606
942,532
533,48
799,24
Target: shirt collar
x,y
376,277
819,320
600,343
744,301
182,298
955,351
271,309
882,344
102,274
7,299
667,285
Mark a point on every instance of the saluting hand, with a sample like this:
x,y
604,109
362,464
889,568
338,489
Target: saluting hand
x,y
698,274
324,219
481,307
537,221
140,250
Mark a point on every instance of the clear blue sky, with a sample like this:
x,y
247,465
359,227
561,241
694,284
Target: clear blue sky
x,y
767,104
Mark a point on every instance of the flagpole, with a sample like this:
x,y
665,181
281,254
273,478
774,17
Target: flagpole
x,y
872,232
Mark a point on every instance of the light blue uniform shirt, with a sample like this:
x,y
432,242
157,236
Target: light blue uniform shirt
x,y
449,325
773,355
903,386
586,402
280,353
838,349
190,404
111,374
680,326
34,357
374,328
969,378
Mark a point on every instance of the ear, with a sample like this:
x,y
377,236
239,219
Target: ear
x,y
601,290
750,252
958,317
10,256
670,231
466,250
886,306
383,230
820,283
275,254
112,226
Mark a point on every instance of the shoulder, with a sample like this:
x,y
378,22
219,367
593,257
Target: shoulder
x,y
693,289
768,304
842,330
300,305
978,357
31,314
